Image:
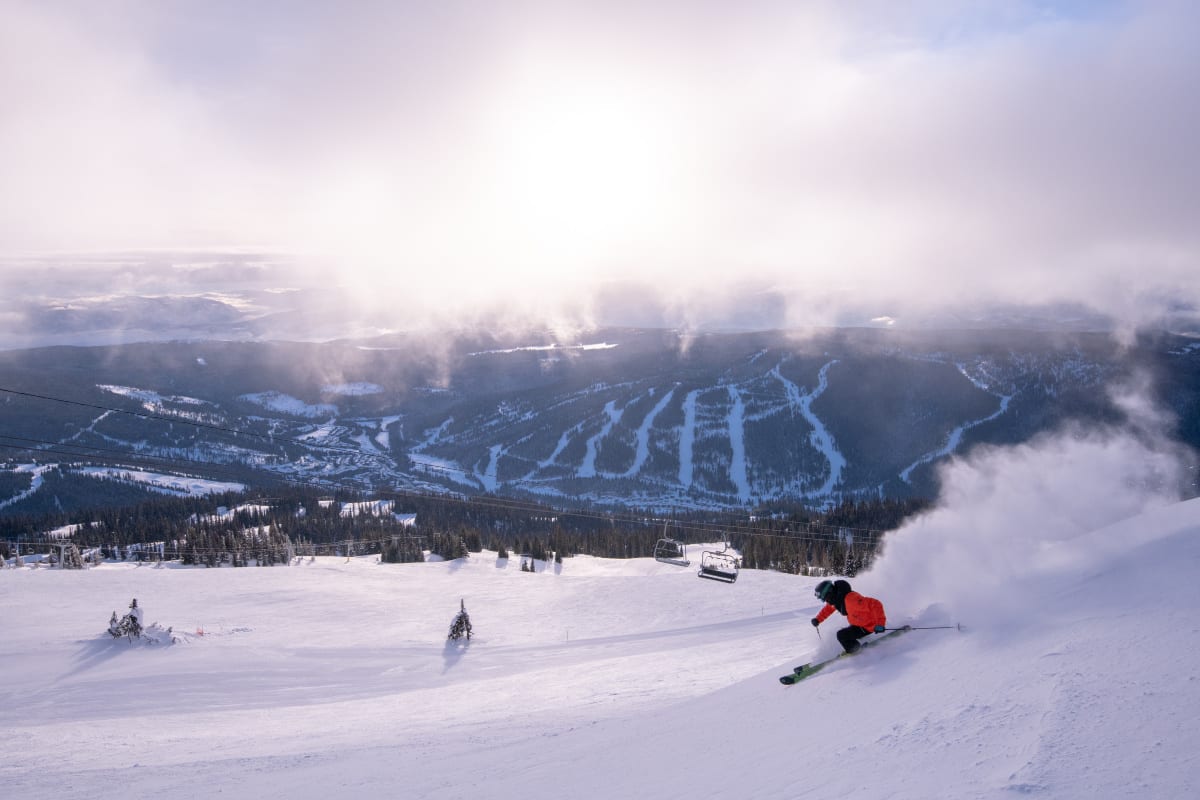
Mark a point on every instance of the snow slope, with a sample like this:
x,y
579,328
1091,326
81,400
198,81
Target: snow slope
x,y
1076,675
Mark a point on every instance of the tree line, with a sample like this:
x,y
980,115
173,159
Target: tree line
x,y
298,522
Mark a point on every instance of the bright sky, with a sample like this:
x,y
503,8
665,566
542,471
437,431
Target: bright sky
x,y
923,152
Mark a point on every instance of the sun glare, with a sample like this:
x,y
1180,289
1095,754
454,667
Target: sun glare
x,y
586,167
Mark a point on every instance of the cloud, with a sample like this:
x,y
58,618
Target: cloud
x,y
1012,517
531,156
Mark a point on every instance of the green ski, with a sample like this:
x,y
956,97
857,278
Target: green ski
x,y
807,670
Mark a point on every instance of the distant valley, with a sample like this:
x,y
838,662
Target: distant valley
x,y
621,418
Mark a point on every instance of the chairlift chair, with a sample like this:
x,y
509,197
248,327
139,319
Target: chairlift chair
x,y
670,551
719,565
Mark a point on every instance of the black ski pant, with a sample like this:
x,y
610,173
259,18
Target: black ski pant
x,y
849,637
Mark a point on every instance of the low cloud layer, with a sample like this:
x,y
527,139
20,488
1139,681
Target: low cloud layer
x,y
536,155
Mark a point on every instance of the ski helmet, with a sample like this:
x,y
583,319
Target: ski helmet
x,y
823,589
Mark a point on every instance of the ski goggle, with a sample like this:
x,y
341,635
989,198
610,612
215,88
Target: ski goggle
x,y
823,589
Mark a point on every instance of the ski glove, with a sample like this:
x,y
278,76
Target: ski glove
x,y
880,629
815,622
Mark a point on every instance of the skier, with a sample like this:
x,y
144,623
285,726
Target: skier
x,y
865,614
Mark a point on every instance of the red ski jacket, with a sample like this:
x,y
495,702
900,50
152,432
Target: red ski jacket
x,y
865,612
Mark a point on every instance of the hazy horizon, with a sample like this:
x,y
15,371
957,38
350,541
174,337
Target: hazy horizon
x,y
567,162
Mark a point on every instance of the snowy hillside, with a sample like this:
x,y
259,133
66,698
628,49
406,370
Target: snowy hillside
x,y
629,419
1075,675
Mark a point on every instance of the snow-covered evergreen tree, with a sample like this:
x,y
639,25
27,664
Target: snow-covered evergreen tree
x,y
72,558
129,625
462,624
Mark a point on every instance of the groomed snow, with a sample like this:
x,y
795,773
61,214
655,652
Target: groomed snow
x,y
1076,675
163,483
286,404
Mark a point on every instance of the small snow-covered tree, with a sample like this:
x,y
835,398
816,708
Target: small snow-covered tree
x,y
129,625
72,558
852,564
461,626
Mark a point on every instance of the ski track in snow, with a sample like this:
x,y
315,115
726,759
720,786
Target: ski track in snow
x,y
383,438
39,470
955,437
587,469
564,439
487,479
643,436
163,483
91,428
442,466
687,439
35,484
737,442
820,437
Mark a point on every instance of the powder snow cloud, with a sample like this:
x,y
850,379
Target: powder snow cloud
x,y
1010,517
